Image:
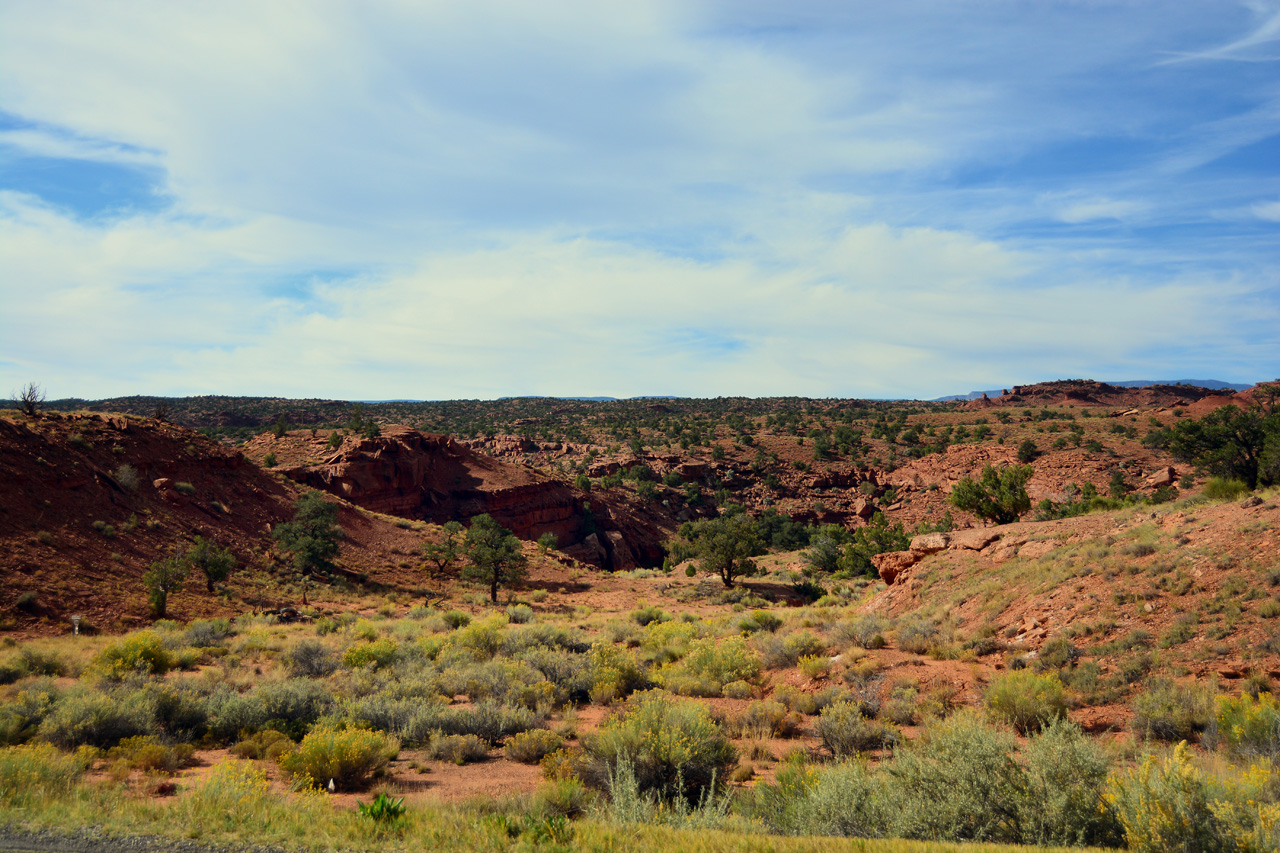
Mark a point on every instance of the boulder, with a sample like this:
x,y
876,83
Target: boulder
x,y
864,509
1161,478
1034,550
929,543
973,540
891,565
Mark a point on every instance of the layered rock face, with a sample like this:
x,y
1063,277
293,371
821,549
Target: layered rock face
x,y
431,477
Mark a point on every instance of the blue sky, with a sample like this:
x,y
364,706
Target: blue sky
x,y
376,200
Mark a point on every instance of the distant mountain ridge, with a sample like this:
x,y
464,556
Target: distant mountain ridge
x,y
1211,384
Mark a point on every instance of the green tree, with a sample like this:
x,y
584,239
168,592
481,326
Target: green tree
x,y
311,538
494,554
214,562
725,545
548,542
877,537
1027,451
1229,442
443,553
998,495
163,577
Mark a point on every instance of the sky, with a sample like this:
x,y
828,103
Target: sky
x,y
428,200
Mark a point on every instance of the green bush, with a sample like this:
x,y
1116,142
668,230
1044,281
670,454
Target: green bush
x,y
761,620
29,774
520,614
1066,786
649,614
1172,712
458,749
674,746
532,746
845,732
1223,489
1026,701
140,653
615,673
959,783
310,659
1249,726
268,743
709,665
85,717
457,618
1166,805
21,717
379,653
145,753
204,633
350,757
844,799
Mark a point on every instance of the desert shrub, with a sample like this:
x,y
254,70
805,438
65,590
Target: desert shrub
x,y
674,746
34,662
532,746
310,659
145,753
140,653
543,636
482,638
519,614
917,635
267,744
500,679
185,488
457,619
235,796
1066,786
709,665
292,706
1166,805
845,732
569,673
960,783
492,722
1057,654
867,632
760,620
127,476
458,749
737,690
179,710
379,653
644,616
1223,489
1171,712
815,666
21,717
29,774
1025,700
86,717
562,797
350,757
208,632
767,719
844,799
1250,726
615,673
784,651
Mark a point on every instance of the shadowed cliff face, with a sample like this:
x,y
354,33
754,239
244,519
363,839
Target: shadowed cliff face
x,y
433,478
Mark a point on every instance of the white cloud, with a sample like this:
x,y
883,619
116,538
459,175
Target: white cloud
x,y
1267,210
390,200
